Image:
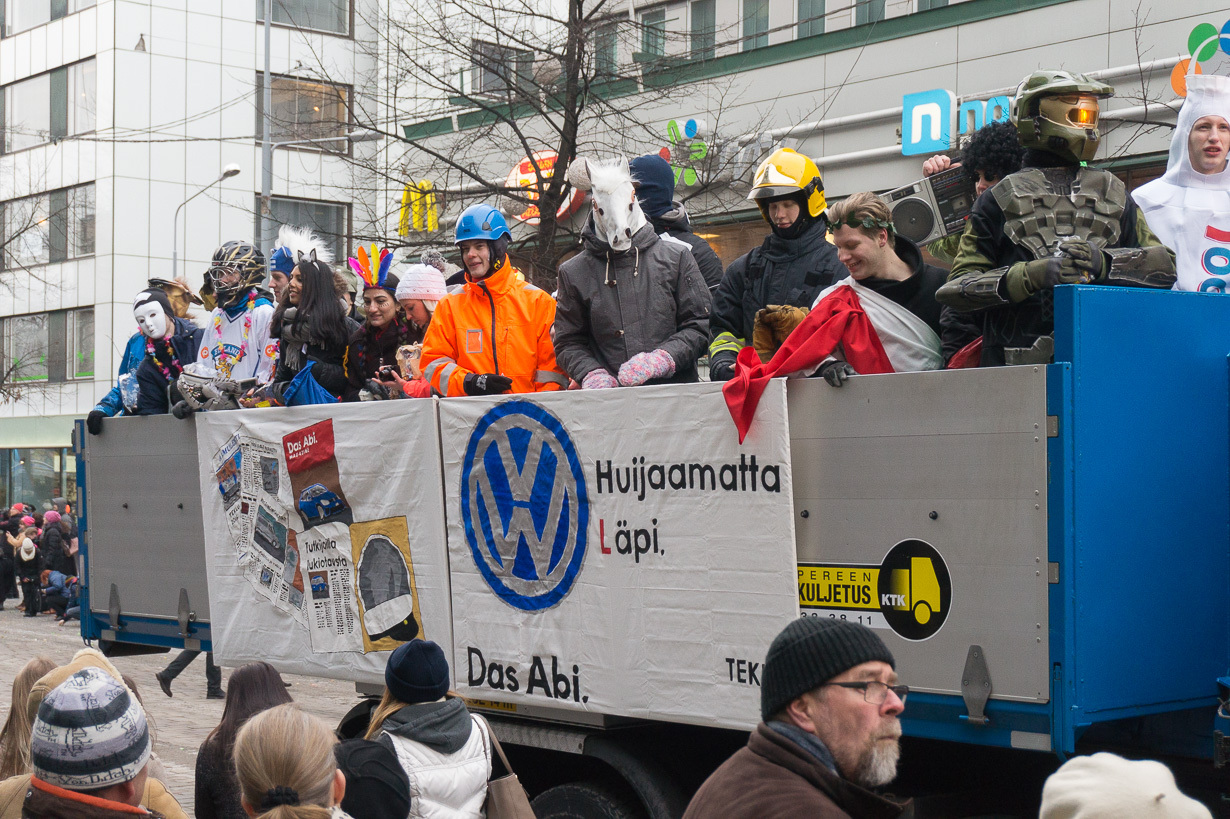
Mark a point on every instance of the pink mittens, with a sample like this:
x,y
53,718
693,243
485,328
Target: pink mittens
x,y
644,367
598,380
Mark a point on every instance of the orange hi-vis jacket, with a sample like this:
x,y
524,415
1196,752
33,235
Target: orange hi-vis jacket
x,y
499,325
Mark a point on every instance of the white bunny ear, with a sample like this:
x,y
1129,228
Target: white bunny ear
x,y
578,174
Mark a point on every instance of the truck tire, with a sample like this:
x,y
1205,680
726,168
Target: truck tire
x,y
585,800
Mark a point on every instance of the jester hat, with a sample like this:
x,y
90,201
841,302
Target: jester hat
x,y
373,269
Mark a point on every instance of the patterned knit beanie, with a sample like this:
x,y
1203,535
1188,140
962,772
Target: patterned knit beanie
x,y
90,733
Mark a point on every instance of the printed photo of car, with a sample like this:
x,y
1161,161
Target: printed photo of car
x,y
318,502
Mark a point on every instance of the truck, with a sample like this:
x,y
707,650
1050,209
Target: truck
x,y
1044,548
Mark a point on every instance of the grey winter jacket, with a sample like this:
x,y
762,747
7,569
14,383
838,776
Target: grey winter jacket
x,y
612,306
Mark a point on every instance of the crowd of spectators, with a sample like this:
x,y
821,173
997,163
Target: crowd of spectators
x,y
38,559
77,742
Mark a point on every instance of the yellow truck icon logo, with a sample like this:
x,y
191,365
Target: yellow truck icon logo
x,y
916,589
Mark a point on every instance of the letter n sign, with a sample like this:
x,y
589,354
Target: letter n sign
x,y
928,121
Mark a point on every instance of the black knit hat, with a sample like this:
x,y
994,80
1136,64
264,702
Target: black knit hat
x,y
811,651
376,784
417,672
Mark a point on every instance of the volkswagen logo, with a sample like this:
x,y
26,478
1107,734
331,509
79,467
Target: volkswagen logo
x,y
524,505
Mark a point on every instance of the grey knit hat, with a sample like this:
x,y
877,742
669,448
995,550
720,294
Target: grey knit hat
x,y
90,733
811,651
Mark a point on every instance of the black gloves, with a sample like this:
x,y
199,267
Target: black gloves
x,y
836,372
93,422
181,409
723,369
486,384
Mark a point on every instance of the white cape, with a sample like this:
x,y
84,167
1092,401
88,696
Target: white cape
x,y
909,342
1190,211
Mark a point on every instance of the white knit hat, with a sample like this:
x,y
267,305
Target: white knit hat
x,y
421,281
27,549
1106,785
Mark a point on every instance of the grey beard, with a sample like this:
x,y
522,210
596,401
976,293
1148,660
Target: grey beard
x,y
878,766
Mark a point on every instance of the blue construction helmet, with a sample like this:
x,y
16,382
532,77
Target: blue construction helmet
x,y
481,222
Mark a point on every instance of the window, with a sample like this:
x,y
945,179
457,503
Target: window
x,y
81,343
49,227
811,18
80,227
20,15
330,221
322,15
81,90
27,113
501,70
27,234
927,5
305,109
50,106
868,11
653,33
54,346
756,24
26,347
606,49
703,29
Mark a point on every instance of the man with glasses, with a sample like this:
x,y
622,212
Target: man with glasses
x,y
830,701
1053,222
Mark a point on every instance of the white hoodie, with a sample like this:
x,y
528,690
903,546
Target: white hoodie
x,y
1190,211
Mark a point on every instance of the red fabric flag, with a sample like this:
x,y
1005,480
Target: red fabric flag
x,y
837,319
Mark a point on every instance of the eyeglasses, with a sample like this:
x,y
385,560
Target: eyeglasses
x,y
874,691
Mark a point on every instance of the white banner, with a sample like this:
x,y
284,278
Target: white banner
x,y
324,535
618,556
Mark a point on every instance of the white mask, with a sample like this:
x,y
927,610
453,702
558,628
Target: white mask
x,y
151,320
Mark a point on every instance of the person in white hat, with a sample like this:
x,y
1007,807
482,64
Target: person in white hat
x,y
1104,785
419,291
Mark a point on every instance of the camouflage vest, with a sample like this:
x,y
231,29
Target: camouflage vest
x,y
1044,206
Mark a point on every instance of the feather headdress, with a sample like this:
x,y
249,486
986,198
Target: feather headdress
x,y
294,242
373,269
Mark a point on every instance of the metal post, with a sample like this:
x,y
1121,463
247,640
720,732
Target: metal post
x,y
265,240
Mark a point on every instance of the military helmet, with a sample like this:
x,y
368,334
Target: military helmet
x,y
1057,111
784,173
243,257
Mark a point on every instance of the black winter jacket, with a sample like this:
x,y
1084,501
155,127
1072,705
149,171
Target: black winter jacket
x,y
612,306
780,271
295,351
51,545
675,223
152,398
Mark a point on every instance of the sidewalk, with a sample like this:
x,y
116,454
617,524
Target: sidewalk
x,y
179,724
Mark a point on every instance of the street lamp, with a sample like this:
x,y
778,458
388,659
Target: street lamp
x,y
227,172
267,149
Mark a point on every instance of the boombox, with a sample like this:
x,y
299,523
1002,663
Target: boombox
x,y
932,208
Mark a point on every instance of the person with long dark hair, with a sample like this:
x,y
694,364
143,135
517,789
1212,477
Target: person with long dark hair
x,y
312,327
252,688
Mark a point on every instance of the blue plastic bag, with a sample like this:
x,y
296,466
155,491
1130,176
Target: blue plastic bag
x,y
305,390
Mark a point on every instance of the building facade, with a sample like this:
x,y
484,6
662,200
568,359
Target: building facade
x,y
114,113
